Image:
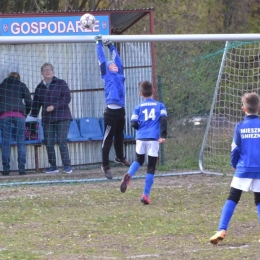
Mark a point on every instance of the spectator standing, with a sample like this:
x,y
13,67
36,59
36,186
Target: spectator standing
x,y
114,114
150,120
53,96
15,105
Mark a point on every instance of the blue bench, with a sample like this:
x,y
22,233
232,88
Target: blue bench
x,y
90,128
86,129
74,134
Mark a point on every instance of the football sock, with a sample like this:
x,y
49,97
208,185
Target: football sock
x,y
226,214
148,183
134,168
258,211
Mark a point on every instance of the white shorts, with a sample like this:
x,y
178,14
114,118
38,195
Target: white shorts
x,y
246,184
150,148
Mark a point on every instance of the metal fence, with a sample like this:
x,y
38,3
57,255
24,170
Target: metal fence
x,y
77,64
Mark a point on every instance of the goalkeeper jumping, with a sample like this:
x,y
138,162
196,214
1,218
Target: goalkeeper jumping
x,y
114,114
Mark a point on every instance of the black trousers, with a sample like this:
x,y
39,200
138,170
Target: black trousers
x,y
114,120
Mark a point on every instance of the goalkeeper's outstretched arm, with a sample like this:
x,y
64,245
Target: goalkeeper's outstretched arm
x,y
101,55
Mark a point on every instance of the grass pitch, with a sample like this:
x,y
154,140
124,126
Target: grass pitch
x,y
97,221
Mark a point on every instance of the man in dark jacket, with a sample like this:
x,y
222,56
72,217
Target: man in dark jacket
x,y
12,119
53,96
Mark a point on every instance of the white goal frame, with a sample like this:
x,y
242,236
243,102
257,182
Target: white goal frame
x,y
139,38
131,38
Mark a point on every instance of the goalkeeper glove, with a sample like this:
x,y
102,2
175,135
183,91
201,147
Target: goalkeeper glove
x,y
98,38
107,43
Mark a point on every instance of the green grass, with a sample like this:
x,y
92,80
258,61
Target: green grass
x,y
182,149
97,221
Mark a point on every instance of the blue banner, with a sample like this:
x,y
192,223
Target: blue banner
x,y
51,26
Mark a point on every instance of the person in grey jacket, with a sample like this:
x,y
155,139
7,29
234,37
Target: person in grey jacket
x,y
53,96
15,105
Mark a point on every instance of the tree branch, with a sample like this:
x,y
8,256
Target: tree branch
x,y
81,7
97,4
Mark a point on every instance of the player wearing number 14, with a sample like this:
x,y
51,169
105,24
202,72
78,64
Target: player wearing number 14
x,y
150,120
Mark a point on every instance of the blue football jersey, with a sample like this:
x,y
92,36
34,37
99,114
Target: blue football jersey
x,y
245,152
147,114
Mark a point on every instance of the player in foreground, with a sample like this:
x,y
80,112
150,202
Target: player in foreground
x,y
114,114
150,120
245,154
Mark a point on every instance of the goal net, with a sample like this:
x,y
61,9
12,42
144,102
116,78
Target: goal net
x,y
188,71
239,73
189,75
75,63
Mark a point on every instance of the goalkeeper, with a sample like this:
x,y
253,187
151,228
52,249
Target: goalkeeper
x,y
245,156
114,114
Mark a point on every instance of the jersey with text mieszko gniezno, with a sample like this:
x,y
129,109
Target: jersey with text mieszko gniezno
x,y
245,152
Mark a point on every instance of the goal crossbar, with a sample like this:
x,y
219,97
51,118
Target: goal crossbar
x,y
131,38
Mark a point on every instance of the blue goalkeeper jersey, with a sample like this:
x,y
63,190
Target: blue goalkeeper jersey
x,y
114,82
245,148
147,114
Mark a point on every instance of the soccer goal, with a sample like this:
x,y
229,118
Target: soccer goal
x,y
200,79
239,73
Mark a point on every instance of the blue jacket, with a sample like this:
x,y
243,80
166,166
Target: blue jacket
x,y
58,95
245,152
114,82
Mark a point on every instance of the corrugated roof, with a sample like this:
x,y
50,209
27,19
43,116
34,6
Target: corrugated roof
x,y
120,20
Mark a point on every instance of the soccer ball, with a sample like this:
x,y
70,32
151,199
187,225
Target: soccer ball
x,y
88,21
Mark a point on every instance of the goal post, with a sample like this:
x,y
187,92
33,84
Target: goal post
x,y
131,38
204,143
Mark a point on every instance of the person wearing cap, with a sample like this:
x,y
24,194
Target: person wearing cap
x,y
15,105
114,114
